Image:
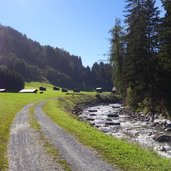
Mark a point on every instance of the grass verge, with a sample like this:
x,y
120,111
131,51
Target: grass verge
x,y
49,148
127,156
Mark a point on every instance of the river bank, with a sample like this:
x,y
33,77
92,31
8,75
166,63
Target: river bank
x,y
126,155
115,120
99,99
157,120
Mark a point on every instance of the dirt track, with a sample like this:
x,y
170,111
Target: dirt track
x,y
26,152
25,149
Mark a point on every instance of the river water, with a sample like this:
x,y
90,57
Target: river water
x,y
110,120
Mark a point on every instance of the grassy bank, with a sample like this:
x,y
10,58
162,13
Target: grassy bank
x,y
125,155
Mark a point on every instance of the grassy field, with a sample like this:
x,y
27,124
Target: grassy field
x,y
127,156
10,104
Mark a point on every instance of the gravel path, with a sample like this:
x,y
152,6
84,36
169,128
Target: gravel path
x,y
79,157
25,149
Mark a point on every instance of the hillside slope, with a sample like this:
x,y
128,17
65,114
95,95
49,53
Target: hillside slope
x,y
45,63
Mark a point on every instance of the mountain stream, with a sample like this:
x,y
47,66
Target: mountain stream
x,y
111,120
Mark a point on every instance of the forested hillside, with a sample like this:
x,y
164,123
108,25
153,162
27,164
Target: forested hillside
x,y
141,56
35,62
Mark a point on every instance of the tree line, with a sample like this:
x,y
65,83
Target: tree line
x,y
10,80
34,62
141,56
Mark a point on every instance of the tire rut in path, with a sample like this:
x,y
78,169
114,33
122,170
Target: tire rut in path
x,y
79,157
26,149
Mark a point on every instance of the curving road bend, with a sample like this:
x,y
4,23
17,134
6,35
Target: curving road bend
x,y
26,150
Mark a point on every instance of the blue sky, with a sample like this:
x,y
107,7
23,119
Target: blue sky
x,y
78,26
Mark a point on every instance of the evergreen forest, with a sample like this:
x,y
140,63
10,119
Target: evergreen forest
x,y
140,56
29,61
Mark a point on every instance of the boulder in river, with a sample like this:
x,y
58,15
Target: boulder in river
x,y
112,123
90,119
116,105
92,114
92,123
92,110
109,119
113,115
162,138
168,129
162,148
168,124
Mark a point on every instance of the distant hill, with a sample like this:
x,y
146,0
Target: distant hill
x,y
35,62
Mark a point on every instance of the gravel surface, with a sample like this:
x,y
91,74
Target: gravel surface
x,y
25,148
79,157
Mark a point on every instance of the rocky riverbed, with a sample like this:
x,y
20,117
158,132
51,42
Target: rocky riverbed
x,y
117,121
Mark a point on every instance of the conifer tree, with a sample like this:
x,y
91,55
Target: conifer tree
x,y
152,47
117,56
164,56
136,54
142,20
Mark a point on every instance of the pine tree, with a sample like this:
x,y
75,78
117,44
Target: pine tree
x,y
142,20
136,54
152,47
164,56
117,55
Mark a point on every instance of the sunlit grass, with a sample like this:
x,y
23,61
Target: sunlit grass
x,y
10,104
127,156
38,84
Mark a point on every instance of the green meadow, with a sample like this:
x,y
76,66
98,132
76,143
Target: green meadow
x,y
10,104
127,156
